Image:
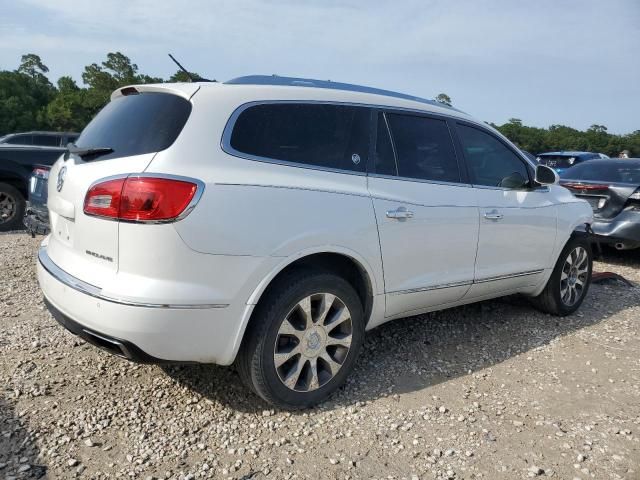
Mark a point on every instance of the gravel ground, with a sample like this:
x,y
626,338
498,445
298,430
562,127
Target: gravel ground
x,y
494,390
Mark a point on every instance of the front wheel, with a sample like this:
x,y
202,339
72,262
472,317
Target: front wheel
x,y
569,281
303,340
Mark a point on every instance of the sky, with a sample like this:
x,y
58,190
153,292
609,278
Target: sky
x,y
571,62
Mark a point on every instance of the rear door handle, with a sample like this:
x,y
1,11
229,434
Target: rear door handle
x,y
493,215
399,213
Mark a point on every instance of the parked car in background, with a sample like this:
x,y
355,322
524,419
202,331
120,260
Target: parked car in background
x,y
249,222
36,219
16,166
612,188
41,139
560,161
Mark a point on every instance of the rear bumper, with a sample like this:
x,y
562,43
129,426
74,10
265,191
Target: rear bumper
x,y
623,230
139,332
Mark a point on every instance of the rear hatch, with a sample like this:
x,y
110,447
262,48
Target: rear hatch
x,y
121,140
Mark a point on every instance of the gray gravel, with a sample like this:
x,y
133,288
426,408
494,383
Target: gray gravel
x,y
494,390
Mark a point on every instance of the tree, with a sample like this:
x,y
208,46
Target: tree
x,y
443,98
31,65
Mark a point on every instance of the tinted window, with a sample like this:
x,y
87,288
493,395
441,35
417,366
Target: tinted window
x,y
490,162
424,148
137,124
331,136
20,140
384,161
46,140
609,171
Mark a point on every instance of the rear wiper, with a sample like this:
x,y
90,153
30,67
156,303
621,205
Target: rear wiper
x,y
88,151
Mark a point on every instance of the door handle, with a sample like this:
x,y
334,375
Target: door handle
x,y
400,213
493,215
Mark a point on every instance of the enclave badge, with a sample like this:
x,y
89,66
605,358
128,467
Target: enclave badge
x,y
60,182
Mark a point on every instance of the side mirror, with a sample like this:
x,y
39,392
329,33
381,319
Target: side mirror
x,y
546,175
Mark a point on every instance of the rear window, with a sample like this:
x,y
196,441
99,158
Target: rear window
x,y
329,136
137,124
610,171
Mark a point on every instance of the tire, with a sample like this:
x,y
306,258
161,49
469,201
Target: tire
x,y
279,328
559,296
12,207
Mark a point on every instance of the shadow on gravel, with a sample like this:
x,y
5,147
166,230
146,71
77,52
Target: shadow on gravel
x,y
624,258
413,354
18,453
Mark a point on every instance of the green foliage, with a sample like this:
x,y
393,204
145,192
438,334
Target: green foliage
x,y
28,101
560,137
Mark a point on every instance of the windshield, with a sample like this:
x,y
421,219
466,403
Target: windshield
x,y
136,124
607,171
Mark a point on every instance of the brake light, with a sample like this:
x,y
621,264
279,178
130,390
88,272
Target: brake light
x,y
41,172
140,199
584,186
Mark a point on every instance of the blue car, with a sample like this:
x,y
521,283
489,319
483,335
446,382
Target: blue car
x,y
560,161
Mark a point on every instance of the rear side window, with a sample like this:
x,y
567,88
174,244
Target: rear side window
x,y
424,148
490,162
46,140
329,136
137,124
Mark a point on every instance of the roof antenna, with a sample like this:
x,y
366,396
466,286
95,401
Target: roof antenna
x,y
192,77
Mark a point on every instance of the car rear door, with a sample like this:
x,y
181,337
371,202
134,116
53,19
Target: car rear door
x,y
427,215
517,219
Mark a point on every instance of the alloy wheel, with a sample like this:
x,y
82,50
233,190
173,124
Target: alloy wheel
x,y
313,342
574,276
8,207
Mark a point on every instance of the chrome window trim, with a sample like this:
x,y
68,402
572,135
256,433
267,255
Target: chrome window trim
x,y
466,283
83,287
200,186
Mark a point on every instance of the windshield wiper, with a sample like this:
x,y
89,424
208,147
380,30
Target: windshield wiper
x,y
88,151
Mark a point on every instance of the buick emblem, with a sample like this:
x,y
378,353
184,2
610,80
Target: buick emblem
x,y
60,182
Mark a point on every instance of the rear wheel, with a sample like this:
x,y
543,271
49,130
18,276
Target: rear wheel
x,y
304,339
12,206
570,280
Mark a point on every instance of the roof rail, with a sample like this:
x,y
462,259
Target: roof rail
x,y
310,82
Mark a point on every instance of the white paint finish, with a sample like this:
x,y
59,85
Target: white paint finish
x,y
72,234
522,240
435,247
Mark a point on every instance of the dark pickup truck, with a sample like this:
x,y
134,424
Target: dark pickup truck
x,y
17,163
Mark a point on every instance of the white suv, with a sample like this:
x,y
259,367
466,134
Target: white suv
x,y
270,221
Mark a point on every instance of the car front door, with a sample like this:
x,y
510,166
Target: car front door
x,y
517,218
426,213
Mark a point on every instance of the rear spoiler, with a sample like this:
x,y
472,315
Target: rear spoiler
x,y
185,90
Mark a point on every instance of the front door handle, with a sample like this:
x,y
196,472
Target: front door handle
x,y
493,215
400,213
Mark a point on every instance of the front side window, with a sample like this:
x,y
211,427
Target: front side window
x,y
424,148
329,136
490,162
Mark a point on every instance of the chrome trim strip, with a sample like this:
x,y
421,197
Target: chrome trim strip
x,y
200,186
511,275
96,292
466,283
434,287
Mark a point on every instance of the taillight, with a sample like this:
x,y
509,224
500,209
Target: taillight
x,y
140,198
584,186
41,172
